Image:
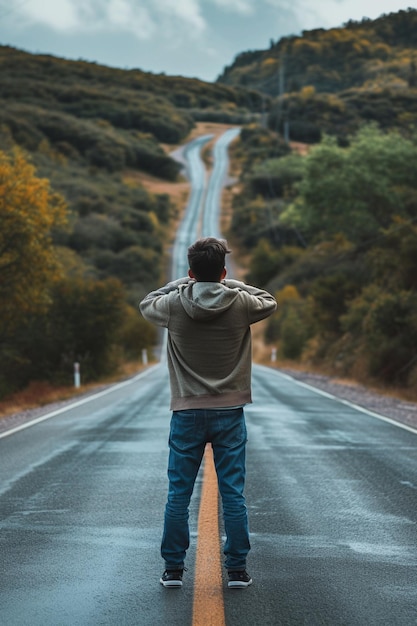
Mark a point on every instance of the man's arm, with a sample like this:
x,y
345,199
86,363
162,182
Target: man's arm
x,y
155,306
261,304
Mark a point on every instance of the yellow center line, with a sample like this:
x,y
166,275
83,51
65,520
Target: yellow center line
x,y
208,605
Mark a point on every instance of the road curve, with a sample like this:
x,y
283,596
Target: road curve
x,y
202,213
189,227
211,215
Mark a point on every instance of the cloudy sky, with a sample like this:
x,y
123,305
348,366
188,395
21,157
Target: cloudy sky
x,y
194,38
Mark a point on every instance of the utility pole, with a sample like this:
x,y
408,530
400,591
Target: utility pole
x,y
282,117
263,117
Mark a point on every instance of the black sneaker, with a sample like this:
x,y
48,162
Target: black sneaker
x,y
172,578
239,578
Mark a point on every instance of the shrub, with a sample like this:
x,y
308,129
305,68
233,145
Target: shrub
x,y
290,325
277,177
135,334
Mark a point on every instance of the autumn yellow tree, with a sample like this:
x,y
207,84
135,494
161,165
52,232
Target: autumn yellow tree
x,y
29,211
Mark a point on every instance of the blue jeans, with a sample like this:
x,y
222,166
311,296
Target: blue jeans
x,y
189,433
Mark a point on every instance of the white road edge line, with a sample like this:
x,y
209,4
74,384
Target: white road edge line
x,y
346,402
73,405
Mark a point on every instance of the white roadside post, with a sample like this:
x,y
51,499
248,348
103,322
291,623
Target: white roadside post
x,y
145,356
274,355
77,380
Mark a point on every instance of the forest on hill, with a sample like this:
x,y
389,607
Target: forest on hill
x,y
330,226
72,135
333,234
331,81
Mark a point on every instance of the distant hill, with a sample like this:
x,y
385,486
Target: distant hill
x,y
331,228
96,133
45,97
333,80
85,125
360,53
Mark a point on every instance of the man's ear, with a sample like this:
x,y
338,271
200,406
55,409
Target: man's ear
x,y
190,274
223,274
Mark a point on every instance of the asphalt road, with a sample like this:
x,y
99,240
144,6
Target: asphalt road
x,y
190,226
211,216
331,492
332,502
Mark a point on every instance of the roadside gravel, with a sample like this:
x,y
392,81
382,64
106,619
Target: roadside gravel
x,y
388,406
14,420
399,410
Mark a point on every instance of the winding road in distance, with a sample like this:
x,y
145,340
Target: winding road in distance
x,y
331,493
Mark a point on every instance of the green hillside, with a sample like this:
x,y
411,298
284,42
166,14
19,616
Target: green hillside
x,y
330,81
330,224
108,118
84,125
91,133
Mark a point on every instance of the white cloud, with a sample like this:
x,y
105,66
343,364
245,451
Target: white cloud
x,y
143,19
57,14
146,17
244,7
122,15
187,10
328,13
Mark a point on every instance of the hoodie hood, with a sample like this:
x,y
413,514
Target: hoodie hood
x,y
203,301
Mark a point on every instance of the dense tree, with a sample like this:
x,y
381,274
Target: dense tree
x,y
290,324
29,211
386,324
356,190
347,292
393,257
277,177
88,322
52,312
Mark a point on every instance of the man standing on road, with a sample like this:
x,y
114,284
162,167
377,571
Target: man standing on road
x,y
209,360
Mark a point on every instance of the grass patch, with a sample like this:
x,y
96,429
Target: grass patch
x,y
41,393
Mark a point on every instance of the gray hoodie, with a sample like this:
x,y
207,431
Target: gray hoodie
x,y
209,339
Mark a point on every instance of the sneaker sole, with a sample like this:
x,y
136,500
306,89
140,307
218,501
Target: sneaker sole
x,y
236,584
171,583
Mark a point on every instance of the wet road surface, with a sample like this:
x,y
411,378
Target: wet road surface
x,y
331,494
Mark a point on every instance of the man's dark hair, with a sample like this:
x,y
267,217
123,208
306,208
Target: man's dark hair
x,y
206,258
